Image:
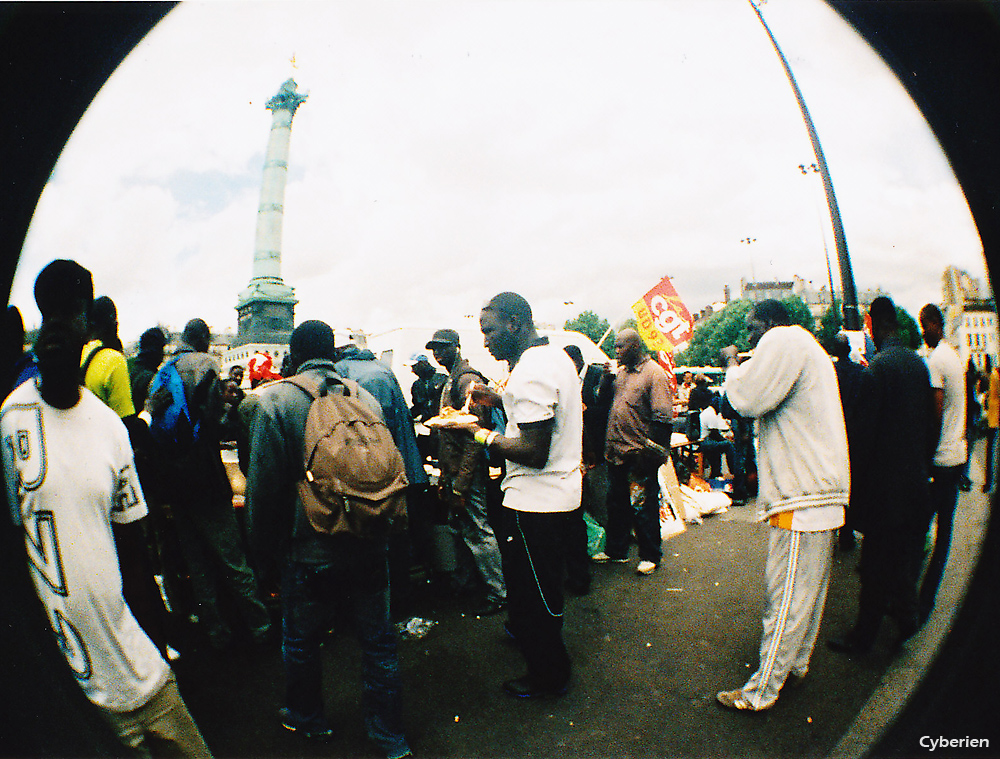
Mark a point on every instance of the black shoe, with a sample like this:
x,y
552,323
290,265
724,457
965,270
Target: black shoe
x,y
847,645
525,687
489,608
320,733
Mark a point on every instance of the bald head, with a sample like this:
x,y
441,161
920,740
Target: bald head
x,y
629,348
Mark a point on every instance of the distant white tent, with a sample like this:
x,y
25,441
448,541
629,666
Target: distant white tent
x,y
397,347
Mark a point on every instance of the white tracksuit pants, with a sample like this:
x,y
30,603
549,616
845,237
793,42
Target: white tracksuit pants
x,y
798,572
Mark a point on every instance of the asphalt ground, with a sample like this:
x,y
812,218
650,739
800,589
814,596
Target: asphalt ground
x,y
649,654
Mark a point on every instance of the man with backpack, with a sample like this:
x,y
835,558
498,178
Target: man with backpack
x,y
464,470
330,563
187,411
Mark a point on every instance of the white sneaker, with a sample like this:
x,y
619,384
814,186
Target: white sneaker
x,y
603,558
645,568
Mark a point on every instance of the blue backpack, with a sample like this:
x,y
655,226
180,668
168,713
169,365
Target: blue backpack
x,y
172,426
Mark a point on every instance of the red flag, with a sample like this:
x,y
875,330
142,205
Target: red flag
x,y
663,319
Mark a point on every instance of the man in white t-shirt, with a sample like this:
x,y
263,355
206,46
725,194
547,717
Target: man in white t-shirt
x,y
543,445
71,484
948,381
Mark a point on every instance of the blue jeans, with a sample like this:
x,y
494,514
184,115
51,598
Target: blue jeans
x,y
311,595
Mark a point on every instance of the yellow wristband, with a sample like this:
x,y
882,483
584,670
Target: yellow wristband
x,y
481,436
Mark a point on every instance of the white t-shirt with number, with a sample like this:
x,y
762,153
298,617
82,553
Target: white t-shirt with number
x,y
544,385
70,474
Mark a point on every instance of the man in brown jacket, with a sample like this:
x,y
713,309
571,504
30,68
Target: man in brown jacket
x,y
464,470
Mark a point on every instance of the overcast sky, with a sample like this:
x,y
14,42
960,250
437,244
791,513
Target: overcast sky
x,y
574,152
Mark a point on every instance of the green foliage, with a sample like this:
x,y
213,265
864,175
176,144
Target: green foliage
x,y
594,327
830,325
799,312
714,333
727,327
909,330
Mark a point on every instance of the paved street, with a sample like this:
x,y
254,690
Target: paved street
x,y
649,655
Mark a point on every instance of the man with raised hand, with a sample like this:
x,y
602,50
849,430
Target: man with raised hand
x,y
789,386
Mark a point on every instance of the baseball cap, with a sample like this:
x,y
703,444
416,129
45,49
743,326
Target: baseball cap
x,y
415,359
443,337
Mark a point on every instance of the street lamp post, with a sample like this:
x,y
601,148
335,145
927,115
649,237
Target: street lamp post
x,y
852,317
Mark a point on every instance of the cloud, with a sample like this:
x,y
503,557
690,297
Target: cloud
x,y
574,152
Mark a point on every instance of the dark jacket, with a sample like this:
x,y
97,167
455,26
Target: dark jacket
x,y
459,456
378,379
896,434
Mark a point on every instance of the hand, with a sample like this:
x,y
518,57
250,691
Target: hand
x,y
484,395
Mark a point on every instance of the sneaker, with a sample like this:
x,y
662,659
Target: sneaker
x,y
314,733
645,568
734,699
603,558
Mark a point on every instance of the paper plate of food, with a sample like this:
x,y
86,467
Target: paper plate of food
x,y
450,417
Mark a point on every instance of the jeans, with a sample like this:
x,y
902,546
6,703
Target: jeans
x,y
944,496
622,515
311,595
477,534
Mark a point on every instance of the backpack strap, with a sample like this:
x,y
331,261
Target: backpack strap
x,y
315,388
90,358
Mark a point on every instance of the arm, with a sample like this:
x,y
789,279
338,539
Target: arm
x,y
119,385
272,473
531,448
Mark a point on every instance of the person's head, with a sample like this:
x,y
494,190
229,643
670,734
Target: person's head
x,y
445,345
102,320
574,352
507,326
12,335
764,316
931,325
151,345
701,379
629,347
236,374
884,320
312,339
197,335
57,349
840,347
421,366
687,378
65,290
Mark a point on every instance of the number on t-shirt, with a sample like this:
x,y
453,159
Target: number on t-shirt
x,y
72,645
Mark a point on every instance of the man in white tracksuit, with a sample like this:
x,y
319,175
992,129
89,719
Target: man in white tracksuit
x,y
789,386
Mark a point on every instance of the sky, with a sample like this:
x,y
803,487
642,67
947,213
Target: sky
x,y
574,151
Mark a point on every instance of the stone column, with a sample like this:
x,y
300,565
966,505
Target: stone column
x,y
266,306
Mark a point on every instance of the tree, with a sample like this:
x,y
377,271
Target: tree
x,y
714,333
830,325
799,312
594,327
909,330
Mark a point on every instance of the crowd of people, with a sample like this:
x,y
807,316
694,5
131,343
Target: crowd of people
x,y
123,456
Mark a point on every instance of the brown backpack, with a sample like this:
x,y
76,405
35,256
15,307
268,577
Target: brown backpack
x,y
355,481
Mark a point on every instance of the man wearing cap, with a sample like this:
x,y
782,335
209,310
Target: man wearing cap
x,y
464,470
425,392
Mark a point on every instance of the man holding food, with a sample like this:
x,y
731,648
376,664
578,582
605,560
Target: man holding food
x,y
543,445
464,470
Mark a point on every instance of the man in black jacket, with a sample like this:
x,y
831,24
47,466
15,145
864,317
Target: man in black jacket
x,y
897,433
